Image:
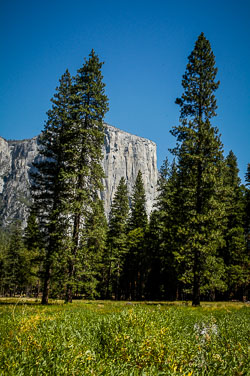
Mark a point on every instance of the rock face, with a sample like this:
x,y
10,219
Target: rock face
x,y
16,159
124,155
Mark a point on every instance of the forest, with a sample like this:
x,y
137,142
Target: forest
x,y
195,243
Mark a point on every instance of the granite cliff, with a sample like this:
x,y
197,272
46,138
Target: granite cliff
x,y
124,154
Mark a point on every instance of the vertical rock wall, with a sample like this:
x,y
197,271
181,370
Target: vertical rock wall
x,y
124,155
16,159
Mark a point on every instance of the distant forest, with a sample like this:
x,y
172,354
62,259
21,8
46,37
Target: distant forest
x,y
195,244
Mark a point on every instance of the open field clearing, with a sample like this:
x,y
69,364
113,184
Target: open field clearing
x,y
120,338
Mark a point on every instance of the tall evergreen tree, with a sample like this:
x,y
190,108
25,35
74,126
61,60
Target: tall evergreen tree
x,y
247,233
117,239
247,208
200,166
138,216
34,246
169,217
162,235
93,245
235,248
69,174
49,185
153,277
88,107
134,268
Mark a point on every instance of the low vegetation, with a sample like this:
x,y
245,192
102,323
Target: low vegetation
x,y
120,338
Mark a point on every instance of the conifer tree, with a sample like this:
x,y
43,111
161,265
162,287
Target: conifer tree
x,y
4,245
93,245
34,246
134,268
84,154
200,166
235,248
138,215
32,236
247,208
245,286
165,218
117,239
69,173
17,266
49,185
153,277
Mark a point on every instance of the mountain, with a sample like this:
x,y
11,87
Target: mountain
x,y
124,154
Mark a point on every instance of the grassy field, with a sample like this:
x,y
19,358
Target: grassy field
x,y
119,338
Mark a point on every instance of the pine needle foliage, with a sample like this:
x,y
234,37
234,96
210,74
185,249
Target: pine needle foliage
x,y
200,166
135,266
48,186
117,239
234,252
84,155
68,172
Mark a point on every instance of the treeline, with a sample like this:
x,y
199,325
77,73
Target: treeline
x,y
196,243
134,258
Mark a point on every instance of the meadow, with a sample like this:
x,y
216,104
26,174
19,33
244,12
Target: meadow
x,y
121,338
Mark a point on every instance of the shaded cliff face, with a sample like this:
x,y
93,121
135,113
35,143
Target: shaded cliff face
x,y
124,155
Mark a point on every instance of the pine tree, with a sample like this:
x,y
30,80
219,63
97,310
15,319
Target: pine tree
x,y
134,268
17,266
4,245
246,220
247,208
235,248
69,173
200,166
153,277
163,226
138,216
93,245
117,239
49,185
34,246
84,154
170,216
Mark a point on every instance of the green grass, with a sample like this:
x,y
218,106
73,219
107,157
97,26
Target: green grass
x,y
118,338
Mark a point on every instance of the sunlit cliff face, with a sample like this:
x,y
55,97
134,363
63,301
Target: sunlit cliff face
x,y
124,155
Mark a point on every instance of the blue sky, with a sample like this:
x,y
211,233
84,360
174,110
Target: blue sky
x,y
144,44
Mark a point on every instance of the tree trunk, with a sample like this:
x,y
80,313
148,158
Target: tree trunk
x,y
69,294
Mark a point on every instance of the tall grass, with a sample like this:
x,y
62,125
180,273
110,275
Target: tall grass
x,y
104,338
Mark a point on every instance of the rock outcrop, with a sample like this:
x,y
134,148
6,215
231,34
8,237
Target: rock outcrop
x,y
124,155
